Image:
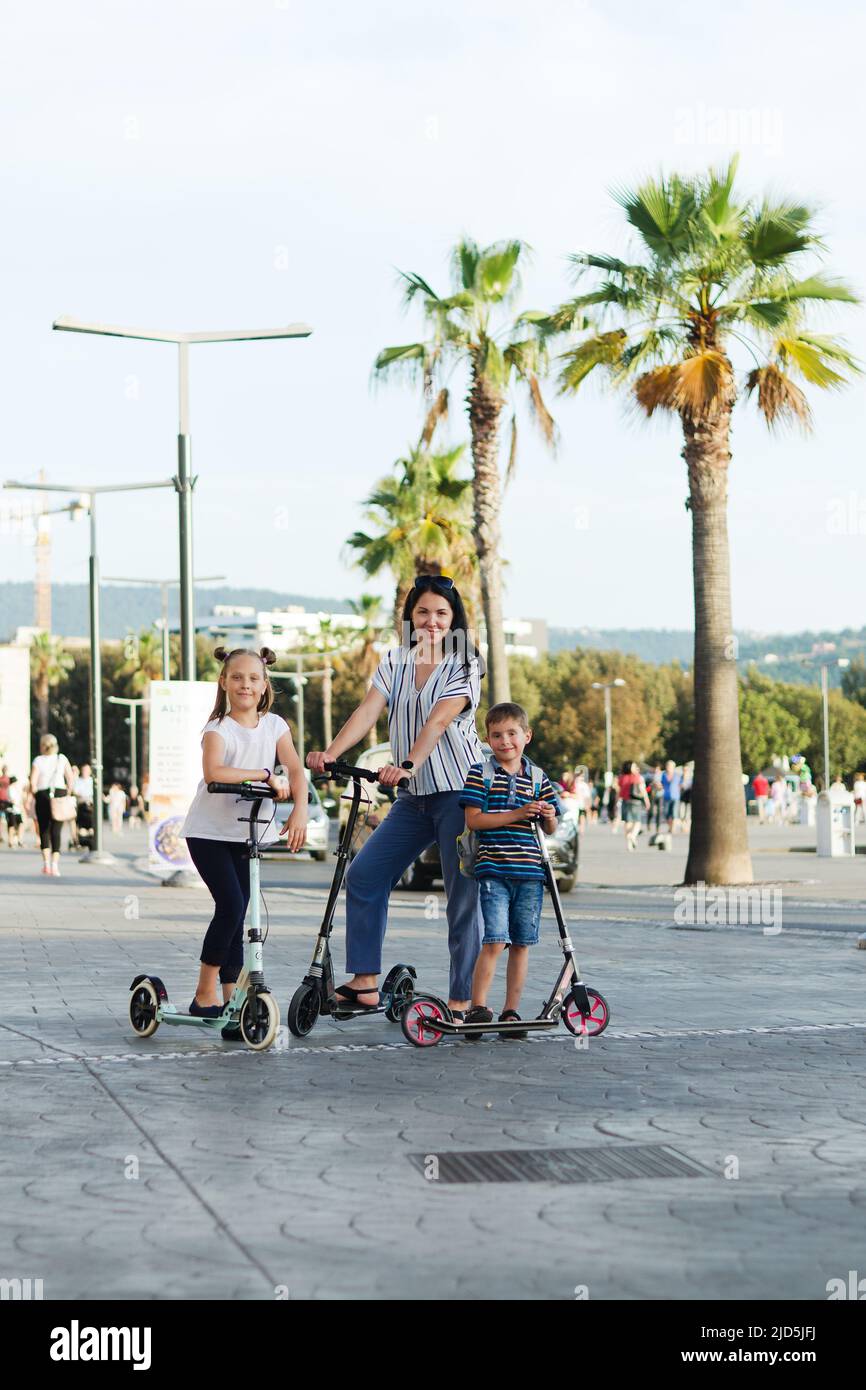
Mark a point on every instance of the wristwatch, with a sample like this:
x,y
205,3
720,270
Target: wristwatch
x,y
409,767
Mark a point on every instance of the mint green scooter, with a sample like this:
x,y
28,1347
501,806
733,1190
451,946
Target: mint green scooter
x,y
252,1006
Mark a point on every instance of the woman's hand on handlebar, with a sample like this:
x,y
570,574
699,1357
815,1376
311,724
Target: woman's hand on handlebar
x,y
316,761
390,776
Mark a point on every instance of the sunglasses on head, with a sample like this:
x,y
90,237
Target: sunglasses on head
x,y
426,581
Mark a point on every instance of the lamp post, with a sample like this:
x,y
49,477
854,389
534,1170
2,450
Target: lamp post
x,y
164,586
184,482
133,732
87,502
841,662
607,687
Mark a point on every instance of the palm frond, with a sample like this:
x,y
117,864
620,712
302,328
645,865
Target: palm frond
x,y
777,231
810,361
602,350
779,399
661,210
464,260
543,417
496,275
413,286
438,411
511,467
410,355
698,387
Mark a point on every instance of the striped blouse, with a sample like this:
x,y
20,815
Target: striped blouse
x,y
409,709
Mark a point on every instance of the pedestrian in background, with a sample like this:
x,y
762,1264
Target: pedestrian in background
x,y
50,779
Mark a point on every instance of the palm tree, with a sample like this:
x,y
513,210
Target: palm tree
x,y
140,669
49,665
714,272
464,333
423,524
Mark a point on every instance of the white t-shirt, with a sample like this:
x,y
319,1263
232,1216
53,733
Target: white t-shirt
x,y
51,770
214,815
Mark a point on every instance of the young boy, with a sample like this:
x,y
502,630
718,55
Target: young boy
x,y
508,867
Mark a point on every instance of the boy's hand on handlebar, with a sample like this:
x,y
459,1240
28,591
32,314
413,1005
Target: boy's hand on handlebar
x,y
316,761
390,776
530,809
295,830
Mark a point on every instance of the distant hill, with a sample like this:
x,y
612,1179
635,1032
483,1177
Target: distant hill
x,y
125,607
132,607
794,656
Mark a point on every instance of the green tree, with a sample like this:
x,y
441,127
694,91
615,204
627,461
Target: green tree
x,y
467,329
422,517
768,731
138,670
714,271
49,667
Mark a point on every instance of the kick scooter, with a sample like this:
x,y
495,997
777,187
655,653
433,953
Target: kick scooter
x,y
251,1006
426,1019
317,993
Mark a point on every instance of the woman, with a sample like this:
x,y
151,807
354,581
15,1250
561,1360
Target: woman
x,y
430,685
50,776
84,799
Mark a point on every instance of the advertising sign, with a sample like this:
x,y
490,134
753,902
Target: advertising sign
x,y
178,712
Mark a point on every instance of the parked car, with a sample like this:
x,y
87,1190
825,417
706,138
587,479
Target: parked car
x,y
563,846
318,826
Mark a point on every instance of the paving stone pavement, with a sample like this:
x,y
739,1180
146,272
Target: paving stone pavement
x,y
174,1168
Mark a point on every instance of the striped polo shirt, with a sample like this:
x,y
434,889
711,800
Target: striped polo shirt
x,y
512,851
409,709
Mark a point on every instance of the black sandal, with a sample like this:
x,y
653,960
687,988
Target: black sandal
x,y
512,1016
351,997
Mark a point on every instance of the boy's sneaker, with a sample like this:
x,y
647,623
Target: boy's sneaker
x,y
477,1014
512,1016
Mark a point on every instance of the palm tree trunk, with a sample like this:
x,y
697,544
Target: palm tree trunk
x,y
485,408
718,845
42,702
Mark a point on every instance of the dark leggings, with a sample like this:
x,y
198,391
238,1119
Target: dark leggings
x,y
49,828
225,868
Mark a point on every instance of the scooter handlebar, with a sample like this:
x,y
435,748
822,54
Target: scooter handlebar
x,y
245,790
339,769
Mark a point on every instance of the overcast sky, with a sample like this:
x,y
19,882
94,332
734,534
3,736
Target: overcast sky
x,y
196,164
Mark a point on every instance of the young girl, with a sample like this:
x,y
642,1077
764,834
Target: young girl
x,y
242,742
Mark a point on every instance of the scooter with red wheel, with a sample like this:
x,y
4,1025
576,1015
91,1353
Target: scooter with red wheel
x,y
427,1019
317,994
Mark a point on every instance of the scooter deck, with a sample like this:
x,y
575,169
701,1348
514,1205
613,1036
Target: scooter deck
x,y
511,1025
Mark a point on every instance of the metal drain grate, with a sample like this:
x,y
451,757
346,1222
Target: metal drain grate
x,y
605,1163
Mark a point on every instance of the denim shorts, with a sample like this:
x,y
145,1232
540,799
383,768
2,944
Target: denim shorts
x,y
511,908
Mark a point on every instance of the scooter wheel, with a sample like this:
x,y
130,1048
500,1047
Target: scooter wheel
x,y
143,1005
259,1021
303,1010
419,1018
586,1025
401,993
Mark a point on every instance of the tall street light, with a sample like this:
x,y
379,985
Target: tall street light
x,y
607,687
87,502
841,662
184,482
164,585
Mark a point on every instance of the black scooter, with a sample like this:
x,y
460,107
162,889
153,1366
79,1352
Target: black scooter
x,y
317,993
427,1019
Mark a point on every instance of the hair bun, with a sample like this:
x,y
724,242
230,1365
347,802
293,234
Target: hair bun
x,y
220,653
268,657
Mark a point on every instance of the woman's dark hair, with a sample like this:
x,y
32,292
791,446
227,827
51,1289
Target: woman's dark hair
x,y
266,657
445,588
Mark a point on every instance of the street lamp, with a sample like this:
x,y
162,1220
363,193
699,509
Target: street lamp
x,y
133,734
87,502
164,585
184,482
607,687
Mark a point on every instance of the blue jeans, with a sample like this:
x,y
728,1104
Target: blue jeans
x,y
511,908
411,826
